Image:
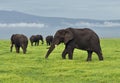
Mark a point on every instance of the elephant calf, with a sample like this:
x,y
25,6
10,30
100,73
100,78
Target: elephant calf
x,y
36,38
19,40
84,39
49,39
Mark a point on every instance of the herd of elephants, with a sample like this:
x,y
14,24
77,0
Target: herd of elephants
x,y
80,38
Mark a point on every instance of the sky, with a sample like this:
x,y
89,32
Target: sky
x,y
91,9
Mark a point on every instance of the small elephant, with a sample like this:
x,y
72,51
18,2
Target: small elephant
x,y
49,40
84,39
19,40
36,38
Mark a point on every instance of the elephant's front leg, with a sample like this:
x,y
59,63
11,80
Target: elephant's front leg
x,y
70,52
17,49
64,53
11,47
89,55
23,48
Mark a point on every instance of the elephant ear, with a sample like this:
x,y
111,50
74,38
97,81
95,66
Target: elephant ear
x,y
68,36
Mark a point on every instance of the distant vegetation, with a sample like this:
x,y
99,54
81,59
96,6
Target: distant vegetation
x,y
34,68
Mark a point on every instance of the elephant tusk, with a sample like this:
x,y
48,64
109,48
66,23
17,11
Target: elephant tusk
x,y
56,45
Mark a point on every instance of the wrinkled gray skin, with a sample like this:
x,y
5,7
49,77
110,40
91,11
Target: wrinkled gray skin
x,y
49,40
36,38
19,40
84,39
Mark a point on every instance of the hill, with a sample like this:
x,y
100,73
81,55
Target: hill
x,y
15,17
31,24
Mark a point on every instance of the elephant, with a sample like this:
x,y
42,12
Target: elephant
x,y
49,40
80,38
36,38
19,40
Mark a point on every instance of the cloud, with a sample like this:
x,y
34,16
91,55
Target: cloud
x,y
22,25
111,24
105,24
87,24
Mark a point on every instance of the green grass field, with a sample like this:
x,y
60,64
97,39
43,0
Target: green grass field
x,y
34,68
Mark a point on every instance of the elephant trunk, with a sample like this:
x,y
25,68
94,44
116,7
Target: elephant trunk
x,y
50,50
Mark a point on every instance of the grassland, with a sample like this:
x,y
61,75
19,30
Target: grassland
x,y
34,68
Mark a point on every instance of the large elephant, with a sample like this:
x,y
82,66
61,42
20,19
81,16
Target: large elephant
x,y
19,40
49,39
36,38
84,39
